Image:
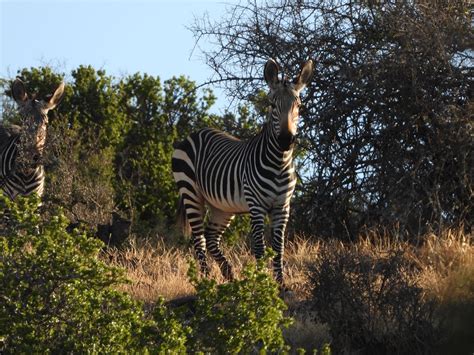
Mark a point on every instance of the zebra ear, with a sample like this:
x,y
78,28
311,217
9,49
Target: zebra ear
x,y
19,92
53,100
305,75
270,73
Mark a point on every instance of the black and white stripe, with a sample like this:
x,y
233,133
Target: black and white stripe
x,y
14,181
230,176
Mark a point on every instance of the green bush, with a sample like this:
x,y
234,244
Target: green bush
x,y
168,332
241,316
56,295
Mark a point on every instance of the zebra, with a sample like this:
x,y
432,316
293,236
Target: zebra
x,y
21,148
229,176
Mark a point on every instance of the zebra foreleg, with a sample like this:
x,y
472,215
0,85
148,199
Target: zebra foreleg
x,y
218,222
279,219
257,220
199,243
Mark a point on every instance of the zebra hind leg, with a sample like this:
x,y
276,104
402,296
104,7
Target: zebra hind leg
x,y
216,226
6,221
195,217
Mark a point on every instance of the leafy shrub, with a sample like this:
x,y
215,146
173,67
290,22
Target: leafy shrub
x,y
168,332
56,295
241,316
372,304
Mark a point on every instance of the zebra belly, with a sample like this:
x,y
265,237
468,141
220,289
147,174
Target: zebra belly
x,y
236,205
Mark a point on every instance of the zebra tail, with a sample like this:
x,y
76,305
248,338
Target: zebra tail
x,y
182,218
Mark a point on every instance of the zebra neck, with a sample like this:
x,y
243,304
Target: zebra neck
x,y
273,152
30,148
41,139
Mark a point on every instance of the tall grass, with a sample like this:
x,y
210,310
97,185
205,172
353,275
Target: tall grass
x,y
444,270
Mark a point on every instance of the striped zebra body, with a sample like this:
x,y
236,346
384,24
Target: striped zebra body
x,y
230,176
14,183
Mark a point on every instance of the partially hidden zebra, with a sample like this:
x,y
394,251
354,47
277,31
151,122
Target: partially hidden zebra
x,y
21,147
230,176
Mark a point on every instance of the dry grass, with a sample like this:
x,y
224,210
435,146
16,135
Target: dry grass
x,y
442,260
156,270
153,270
439,258
445,264
448,276
305,333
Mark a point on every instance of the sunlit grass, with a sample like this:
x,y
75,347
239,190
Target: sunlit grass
x,y
157,270
445,265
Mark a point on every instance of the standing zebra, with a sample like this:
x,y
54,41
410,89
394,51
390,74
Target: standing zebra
x,y
21,148
231,176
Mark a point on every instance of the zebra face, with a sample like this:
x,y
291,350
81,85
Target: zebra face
x,y
34,121
285,101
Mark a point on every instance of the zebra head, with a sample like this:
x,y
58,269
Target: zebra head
x,y
34,120
285,101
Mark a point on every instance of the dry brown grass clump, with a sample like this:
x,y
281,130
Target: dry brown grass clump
x,y
153,270
380,295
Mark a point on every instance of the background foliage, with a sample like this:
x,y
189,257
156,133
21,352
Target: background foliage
x,y
110,143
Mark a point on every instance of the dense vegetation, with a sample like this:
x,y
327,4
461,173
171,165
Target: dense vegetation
x,y
385,150
58,296
60,292
110,143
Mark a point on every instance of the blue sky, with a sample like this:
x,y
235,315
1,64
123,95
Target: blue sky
x,y
121,36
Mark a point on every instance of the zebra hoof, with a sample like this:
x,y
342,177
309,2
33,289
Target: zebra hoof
x,y
228,273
